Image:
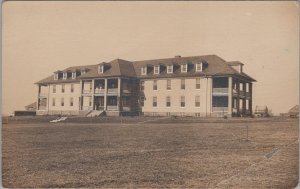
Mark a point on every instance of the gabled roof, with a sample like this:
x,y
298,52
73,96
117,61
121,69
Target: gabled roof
x,y
115,68
213,66
294,109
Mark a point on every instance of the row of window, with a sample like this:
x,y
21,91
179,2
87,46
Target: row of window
x,y
62,102
168,101
182,84
62,88
184,68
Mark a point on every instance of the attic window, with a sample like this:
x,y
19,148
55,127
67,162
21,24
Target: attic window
x,y
65,75
170,69
55,76
184,68
199,67
83,72
156,69
73,75
101,68
144,70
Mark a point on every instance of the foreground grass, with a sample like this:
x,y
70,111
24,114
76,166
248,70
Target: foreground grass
x,y
148,154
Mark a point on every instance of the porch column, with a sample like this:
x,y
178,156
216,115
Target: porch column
x,y
105,95
238,97
38,97
229,96
244,100
93,90
80,98
250,98
119,93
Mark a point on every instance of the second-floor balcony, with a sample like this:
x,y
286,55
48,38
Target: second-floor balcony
x,y
43,95
112,108
219,109
87,91
220,91
99,91
112,91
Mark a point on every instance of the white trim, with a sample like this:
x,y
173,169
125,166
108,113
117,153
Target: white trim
x,y
55,76
65,75
100,68
171,68
199,67
144,70
156,69
182,68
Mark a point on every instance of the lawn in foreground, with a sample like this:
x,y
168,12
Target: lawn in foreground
x,y
199,155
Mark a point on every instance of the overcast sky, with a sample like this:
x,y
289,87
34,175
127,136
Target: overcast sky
x,y
42,37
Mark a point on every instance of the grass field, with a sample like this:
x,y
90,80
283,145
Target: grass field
x,y
151,153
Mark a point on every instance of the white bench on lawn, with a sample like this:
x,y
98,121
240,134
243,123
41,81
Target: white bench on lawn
x,y
58,119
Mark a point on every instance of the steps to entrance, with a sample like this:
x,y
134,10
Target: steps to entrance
x,y
95,113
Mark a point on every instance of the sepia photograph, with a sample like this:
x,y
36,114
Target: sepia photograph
x,y
150,94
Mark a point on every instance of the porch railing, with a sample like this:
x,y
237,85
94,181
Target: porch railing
x,y
99,91
220,109
220,91
112,108
112,91
87,91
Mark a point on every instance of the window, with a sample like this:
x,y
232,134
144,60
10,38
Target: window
x,y
83,72
156,69
197,83
62,102
199,67
55,76
90,101
154,84
53,101
144,70
73,75
184,68
142,101
197,115
72,88
168,84
62,88
154,101
65,75
170,69
168,101
182,101
142,85
100,68
197,101
71,101
54,88
182,83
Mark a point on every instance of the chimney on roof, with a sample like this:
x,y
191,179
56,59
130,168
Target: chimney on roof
x,y
177,56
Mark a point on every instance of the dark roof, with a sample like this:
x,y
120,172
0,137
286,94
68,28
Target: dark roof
x,y
213,66
32,105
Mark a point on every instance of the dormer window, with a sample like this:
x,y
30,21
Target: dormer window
x,y
56,76
83,72
101,68
73,75
144,70
65,75
184,68
156,69
170,69
199,67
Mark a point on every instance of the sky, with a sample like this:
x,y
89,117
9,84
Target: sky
x,y
42,37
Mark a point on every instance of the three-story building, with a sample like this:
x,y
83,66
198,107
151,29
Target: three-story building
x,y
200,86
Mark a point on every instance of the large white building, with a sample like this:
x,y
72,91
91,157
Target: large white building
x,y
201,86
